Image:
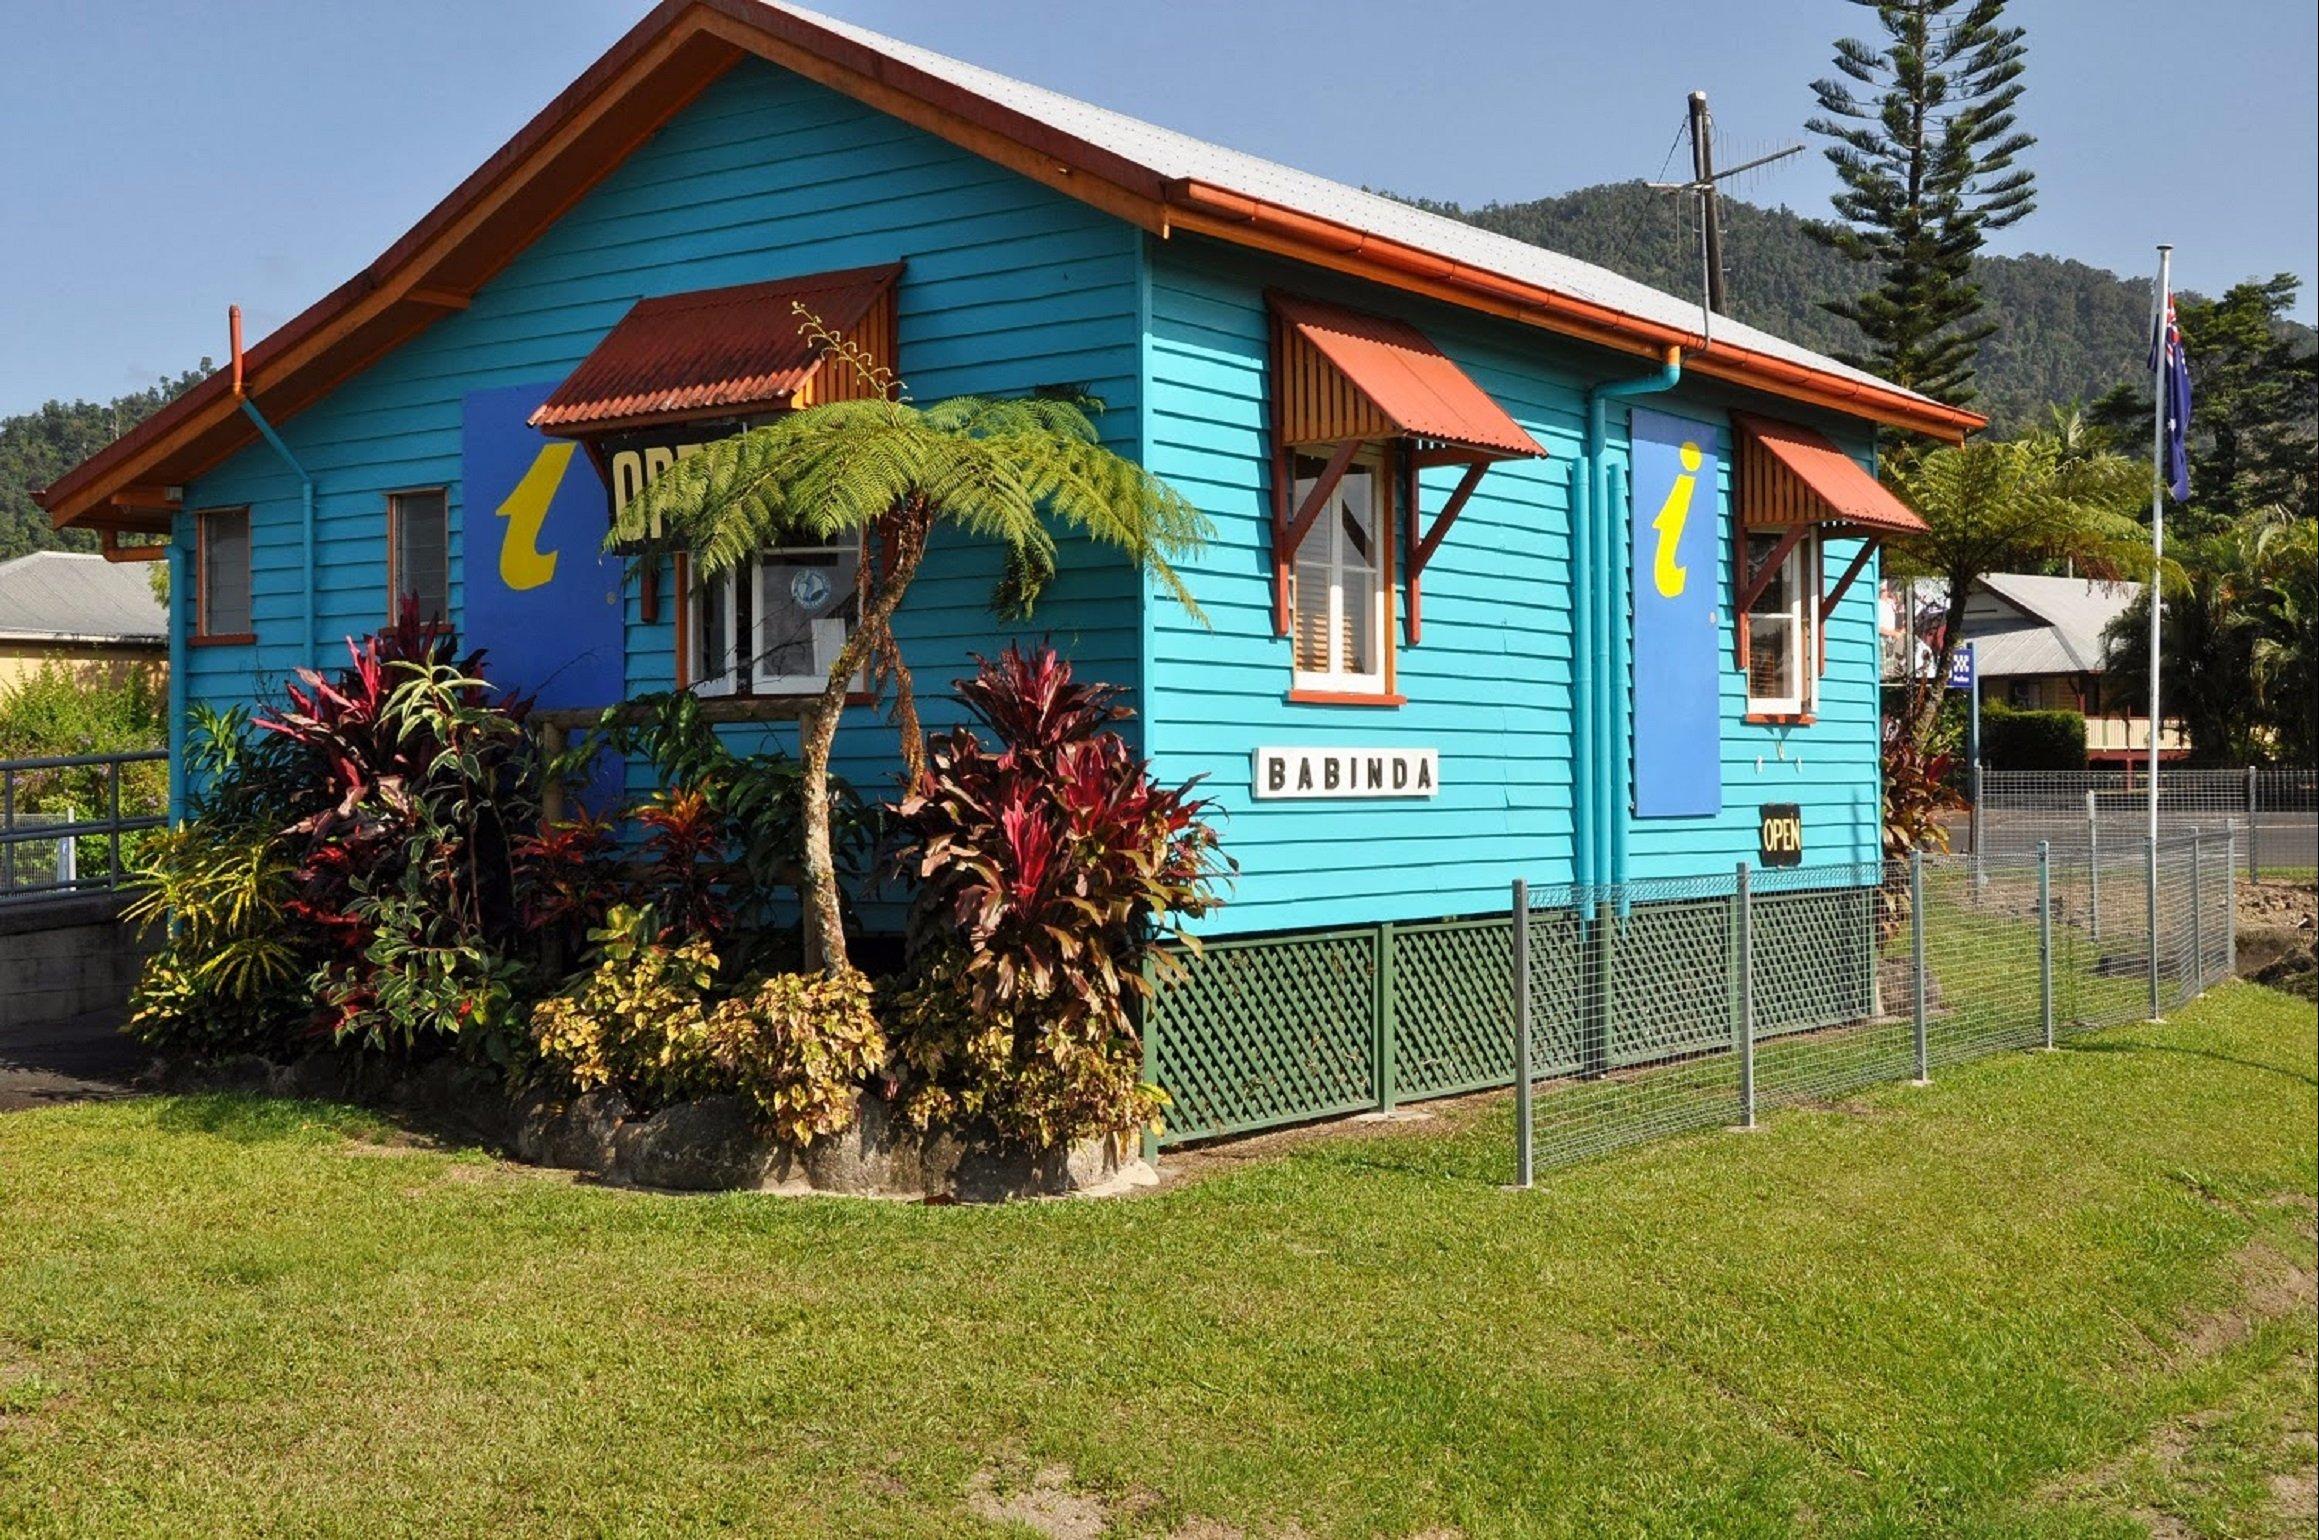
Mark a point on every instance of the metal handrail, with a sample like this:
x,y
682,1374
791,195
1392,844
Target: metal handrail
x,y
108,828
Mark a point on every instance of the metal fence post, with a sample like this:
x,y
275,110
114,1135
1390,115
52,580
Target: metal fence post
x,y
2045,937
2254,831
2197,920
1384,1008
1977,828
2230,914
1917,961
2150,903
1148,1009
2093,861
1743,1030
1521,983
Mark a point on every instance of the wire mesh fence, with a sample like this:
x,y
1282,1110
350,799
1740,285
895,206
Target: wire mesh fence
x,y
1660,1007
2274,811
1843,981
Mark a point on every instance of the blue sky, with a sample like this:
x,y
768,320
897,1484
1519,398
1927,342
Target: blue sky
x,y
168,157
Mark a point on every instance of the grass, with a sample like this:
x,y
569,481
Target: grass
x,y
2050,1295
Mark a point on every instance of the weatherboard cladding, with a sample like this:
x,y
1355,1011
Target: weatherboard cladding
x,y
1490,685
1007,287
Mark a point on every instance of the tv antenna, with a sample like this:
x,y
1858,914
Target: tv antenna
x,y
1704,177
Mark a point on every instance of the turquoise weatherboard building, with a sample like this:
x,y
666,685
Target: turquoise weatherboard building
x,y
1518,569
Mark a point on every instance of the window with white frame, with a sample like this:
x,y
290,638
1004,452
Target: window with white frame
x,y
1782,627
772,625
1337,587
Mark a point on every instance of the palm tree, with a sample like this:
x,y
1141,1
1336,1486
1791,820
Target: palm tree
x,y
2239,672
2003,506
891,471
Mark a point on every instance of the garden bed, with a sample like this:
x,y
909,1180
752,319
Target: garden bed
x,y
713,1144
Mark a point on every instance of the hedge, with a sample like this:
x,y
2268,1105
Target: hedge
x,y
2031,740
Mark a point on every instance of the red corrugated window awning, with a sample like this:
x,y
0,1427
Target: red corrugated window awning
x,y
1348,374
732,352
1789,475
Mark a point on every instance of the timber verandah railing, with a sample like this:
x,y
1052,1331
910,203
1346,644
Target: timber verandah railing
x,y
1666,1006
59,851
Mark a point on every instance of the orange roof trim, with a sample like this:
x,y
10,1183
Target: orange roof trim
x,y
1789,474
662,64
1412,384
716,352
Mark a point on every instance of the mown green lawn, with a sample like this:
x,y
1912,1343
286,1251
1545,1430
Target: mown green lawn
x,y
2052,1294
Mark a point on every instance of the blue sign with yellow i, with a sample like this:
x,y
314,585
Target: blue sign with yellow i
x,y
1678,725
542,596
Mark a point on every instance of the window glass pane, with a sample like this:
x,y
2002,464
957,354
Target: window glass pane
x,y
422,553
1357,621
1308,602
807,602
1771,658
225,573
1774,598
1778,627
712,635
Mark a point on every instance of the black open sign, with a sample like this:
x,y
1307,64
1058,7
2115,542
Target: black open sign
x,y
1780,835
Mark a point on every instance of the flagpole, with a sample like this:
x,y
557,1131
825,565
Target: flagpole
x,y
2157,512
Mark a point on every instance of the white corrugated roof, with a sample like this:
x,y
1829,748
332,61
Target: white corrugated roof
x,y
2068,617
1174,155
64,596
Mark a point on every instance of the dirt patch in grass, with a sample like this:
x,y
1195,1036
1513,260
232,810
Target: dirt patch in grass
x,y
2277,924
1051,1504
2270,1285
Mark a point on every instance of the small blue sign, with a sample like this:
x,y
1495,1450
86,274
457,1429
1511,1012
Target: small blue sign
x,y
1961,667
1677,702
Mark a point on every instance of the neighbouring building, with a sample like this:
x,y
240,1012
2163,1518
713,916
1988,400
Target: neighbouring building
x,y
1514,571
2038,644
96,617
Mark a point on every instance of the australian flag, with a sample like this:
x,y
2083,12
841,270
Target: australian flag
x,y
2172,369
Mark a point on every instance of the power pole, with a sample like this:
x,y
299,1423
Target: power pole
x,y
1703,176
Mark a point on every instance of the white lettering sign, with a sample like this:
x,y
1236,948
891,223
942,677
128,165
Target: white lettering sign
x,y
1291,774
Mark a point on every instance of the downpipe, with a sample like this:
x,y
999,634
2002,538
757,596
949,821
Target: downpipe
x,y
1606,652
306,649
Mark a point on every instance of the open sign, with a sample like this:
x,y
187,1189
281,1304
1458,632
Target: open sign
x,y
1780,840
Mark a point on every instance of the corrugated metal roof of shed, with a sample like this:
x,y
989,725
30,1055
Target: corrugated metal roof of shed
x,y
67,596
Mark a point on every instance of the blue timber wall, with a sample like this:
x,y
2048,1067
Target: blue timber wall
x,y
1008,286
1490,685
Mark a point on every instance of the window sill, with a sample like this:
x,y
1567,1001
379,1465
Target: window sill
x,y
1344,698
1781,718
224,639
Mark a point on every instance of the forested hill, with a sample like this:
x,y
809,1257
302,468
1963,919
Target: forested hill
x,y
38,446
2065,331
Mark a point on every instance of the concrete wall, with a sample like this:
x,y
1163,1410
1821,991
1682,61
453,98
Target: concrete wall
x,y
64,961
